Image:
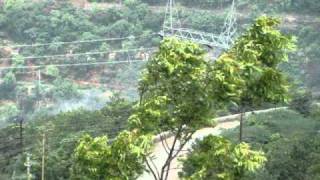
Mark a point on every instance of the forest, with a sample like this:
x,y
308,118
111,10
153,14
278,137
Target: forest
x,y
96,90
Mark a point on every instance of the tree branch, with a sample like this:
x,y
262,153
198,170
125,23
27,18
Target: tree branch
x,y
155,167
151,170
163,169
164,144
177,153
183,144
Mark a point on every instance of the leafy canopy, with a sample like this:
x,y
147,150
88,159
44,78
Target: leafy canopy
x,y
122,159
179,89
249,72
173,89
174,96
216,158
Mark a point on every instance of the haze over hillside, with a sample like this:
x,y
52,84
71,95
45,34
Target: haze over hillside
x,y
70,68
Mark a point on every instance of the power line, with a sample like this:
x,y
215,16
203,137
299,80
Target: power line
x,y
111,131
81,54
76,42
74,64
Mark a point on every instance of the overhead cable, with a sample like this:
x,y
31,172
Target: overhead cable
x,y
73,64
75,42
80,54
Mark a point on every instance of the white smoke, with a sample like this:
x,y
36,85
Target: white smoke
x,y
92,99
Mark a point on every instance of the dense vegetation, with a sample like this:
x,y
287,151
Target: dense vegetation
x,y
290,141
179,93
61,132
217,158
73,108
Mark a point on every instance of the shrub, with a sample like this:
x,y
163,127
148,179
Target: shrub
x,y
52,71
301,102
8,86
315,111
216,158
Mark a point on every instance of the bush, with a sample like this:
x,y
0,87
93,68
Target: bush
x,y
290,141
301,102
6,112
293,159
8,86
52,71
216,158
26,99
64,89
315,111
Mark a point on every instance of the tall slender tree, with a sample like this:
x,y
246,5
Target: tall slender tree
x,y
174,97
249,71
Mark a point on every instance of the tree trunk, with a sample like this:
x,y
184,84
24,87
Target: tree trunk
x,y
241,126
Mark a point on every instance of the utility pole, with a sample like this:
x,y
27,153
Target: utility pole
x,y
39,88
43,155
129,59
13,177
20,121
241,127
28,165
39,77
241,110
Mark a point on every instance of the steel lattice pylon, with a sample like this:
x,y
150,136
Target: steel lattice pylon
x,y
172,27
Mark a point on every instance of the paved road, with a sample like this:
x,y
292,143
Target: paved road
x,y
224,123
161,155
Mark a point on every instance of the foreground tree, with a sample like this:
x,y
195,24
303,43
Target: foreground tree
x,y
122,159
174,98
216,158
180,90
249,71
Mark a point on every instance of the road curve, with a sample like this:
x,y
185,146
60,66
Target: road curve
x,y
223,123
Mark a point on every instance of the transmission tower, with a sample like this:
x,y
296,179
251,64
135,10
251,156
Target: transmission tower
x,y
230,27
172,27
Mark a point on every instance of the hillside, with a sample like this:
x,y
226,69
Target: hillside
x,y
70,68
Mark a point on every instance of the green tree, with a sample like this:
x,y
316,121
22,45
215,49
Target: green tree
x,y
52,71
62,134
291,143
251,67
9,4
8,86
64,89
121,28
123,159
215,158
302,102
18,60
7,112
179,88
118,111
174,96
